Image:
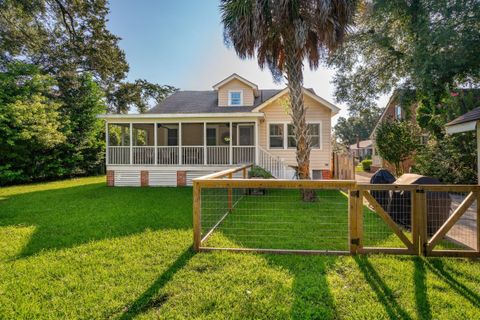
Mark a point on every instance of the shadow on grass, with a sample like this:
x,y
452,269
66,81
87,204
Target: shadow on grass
x,y
150,298
420,283
436,266
313,298
383,292
66,217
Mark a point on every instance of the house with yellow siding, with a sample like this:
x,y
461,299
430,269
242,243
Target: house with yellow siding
x,y
194,133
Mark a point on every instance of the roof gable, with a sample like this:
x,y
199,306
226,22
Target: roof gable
x,y
239,78
308,92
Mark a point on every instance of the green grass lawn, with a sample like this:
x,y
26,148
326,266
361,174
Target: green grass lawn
x,y
77,249
278,220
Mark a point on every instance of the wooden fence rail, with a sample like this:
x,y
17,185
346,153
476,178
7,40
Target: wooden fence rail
x,y
422,204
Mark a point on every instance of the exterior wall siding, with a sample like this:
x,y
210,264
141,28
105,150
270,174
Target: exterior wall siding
x,y
248,97
316,113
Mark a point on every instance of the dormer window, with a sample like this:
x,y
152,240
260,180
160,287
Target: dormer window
x,y
235,98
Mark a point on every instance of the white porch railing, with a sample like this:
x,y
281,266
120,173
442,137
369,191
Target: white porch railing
x,y
190,155
143,155
218,155
276,166
118,155
167,155
193,155
243,154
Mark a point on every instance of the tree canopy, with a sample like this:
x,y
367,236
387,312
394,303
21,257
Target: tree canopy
x,y
60,67
357,125
396,141
428,45
66,38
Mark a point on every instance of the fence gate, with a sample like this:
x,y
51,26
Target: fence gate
x,y
452,219
385,219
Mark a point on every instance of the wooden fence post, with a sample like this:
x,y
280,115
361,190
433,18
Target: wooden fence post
x,y
360,220
420,211
197,211
353,209
414,215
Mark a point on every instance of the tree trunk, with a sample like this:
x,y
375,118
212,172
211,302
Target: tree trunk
x,y
294,73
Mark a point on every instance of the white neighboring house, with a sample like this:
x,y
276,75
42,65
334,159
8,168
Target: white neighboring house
x,y
193,133
362,149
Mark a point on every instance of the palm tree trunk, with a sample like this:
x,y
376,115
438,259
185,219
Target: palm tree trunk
x,y
294,73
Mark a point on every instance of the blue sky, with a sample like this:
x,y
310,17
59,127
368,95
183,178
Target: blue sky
x,y
180,43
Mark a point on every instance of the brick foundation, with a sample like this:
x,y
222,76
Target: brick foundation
x,y
144,178
326,175
110,178
181,178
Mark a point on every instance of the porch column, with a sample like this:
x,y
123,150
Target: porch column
x,y
155,148
205,143
230,144
180,151
107,143
131,143
256,142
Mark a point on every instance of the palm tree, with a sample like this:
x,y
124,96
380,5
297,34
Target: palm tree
x,y
282,34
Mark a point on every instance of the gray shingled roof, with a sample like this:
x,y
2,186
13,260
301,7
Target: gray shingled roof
x,y
204,102
363,144
473,115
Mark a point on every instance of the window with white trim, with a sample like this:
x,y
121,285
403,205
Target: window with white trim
x,y
276,136
235,98
291,137
314,133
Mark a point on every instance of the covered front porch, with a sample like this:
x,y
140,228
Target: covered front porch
x,y
165,143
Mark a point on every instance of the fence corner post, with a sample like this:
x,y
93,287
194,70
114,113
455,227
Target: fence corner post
x,y
196,216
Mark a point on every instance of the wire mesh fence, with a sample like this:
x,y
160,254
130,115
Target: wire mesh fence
x,y
272,218
383,205
461,209
272,215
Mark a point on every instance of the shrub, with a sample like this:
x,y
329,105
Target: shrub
x,y
258,172
366,164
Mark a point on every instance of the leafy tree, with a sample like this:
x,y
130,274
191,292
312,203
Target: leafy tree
x,y
452,159
30,125
426,45
59,56
283,35
396,141
83,101
67,38
356,125
137,94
